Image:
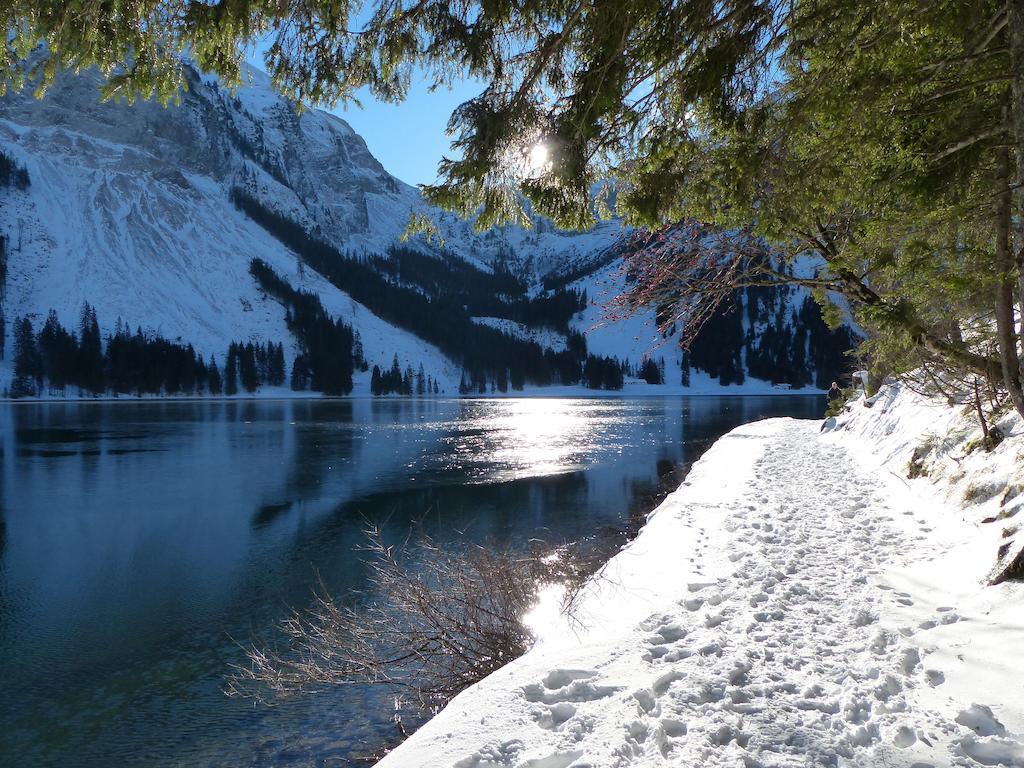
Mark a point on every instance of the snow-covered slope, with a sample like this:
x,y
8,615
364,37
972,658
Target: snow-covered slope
x,y
130,209
794,603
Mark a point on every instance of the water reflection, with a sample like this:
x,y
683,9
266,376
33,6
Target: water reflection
x,y
138,541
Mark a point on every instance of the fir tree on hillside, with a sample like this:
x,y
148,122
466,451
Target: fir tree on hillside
x,y
231,374
59,352
28,363
214,383
650,372
90,352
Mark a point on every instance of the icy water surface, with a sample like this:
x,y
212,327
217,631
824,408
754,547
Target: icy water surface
x,y
141,542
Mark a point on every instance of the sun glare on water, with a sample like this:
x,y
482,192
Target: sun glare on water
x,y
539,436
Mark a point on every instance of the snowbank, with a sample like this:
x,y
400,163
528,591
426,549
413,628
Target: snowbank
x,y
913,437
796,602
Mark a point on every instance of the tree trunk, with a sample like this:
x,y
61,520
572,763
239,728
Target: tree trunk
x,y
1006,274
902,316
1015,27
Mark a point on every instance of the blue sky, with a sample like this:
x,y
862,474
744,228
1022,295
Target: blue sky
x,y
409,138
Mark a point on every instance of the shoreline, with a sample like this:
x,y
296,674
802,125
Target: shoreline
x,y
529,395
732,584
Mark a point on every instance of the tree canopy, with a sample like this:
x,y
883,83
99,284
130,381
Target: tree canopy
x,y
886,137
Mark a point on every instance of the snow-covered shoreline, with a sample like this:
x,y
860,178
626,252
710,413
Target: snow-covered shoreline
x,y
798,601
630,390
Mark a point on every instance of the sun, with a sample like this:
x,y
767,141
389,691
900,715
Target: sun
x,y
538,160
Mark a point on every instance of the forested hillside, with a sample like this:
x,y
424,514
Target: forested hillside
x,y
211,245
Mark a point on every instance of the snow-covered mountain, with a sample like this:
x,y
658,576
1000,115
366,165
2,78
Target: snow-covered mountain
x,y
154,215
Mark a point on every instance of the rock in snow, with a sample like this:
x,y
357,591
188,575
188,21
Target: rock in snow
x,y
796,602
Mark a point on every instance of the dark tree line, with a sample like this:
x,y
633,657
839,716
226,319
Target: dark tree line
x,y
442,320
603,373
13,174
778,342
482,294
651,371
132,363
393,381
328,347
249,365
796,347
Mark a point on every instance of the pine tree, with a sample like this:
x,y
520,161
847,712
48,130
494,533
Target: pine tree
x,y
277,369
421,381
231,370
28,365
358,355
300,377
261,353
248,373
213,381
90,352
59,353
650,372
376,387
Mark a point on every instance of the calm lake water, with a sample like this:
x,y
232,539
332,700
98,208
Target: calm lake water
x,y
141,542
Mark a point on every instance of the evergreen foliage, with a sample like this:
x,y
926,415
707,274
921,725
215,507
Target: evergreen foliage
x,y
887,138
650,372
130,364
13,174
90,352
602,373
441,318
231,375
28,363
214,382
327,358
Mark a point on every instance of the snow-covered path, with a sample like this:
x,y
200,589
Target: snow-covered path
x,y
760,627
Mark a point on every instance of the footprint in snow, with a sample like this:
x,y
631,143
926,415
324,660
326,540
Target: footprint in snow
x,y
559,678
555,715
668,633
981,720
567,685
693,603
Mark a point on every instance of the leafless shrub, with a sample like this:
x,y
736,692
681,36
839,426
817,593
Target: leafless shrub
x,y
433,621
689,270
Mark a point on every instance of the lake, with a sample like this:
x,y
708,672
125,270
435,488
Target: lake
x,y
142,542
